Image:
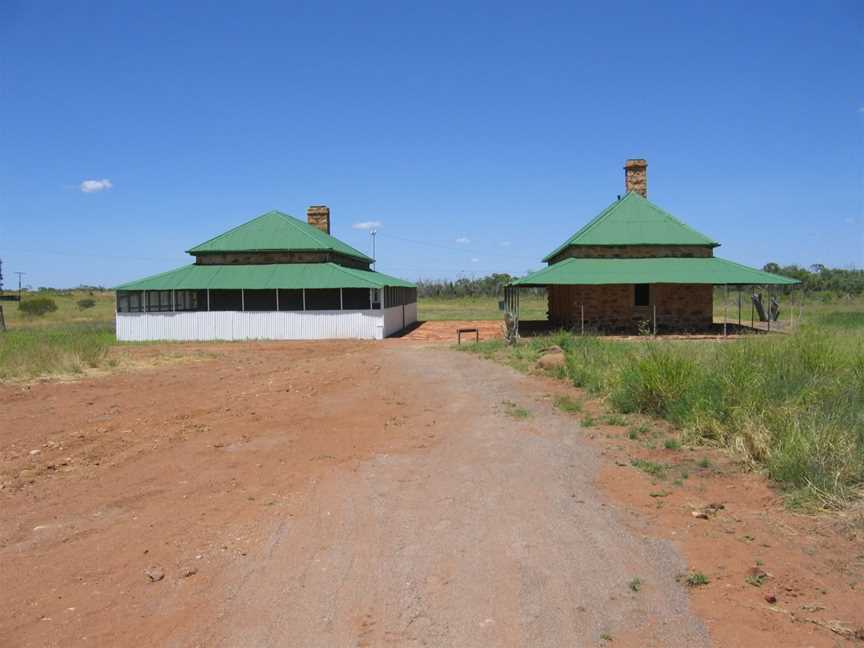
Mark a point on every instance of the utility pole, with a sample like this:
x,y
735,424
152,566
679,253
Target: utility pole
x,y
20,274
372,233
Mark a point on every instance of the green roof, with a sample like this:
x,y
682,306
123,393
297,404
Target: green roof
x,y
275,231
666,270
633,220
282,275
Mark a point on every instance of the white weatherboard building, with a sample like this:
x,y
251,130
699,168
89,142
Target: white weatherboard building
x,y
273,278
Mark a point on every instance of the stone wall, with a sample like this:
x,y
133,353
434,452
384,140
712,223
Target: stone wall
x,y
260,258
680,307
636,176
633,252
319,216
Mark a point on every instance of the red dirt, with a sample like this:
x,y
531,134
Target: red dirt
x,y
812,590
445,330
218,479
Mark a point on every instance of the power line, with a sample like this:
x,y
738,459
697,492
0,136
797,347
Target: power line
x,y
20,274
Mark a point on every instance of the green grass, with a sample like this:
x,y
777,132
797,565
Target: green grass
x,y
68,311
672,444
531,307
793,404
756,580
697,579
614,419
568,404
514,410
61,349
66,341
651,467
635,584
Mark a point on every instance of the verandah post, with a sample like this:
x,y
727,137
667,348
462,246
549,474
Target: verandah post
x,y
739,310
725,306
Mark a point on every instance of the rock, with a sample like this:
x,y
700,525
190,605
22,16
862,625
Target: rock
x,y
186,572
708,510
771,598
27,474
552,360
155,574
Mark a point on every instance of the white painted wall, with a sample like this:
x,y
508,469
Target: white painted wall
x,y
282,325
398,317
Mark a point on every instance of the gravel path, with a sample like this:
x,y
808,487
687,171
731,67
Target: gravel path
x,y
490,534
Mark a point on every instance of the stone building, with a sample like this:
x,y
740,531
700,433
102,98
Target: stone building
x,y
635,266
274,277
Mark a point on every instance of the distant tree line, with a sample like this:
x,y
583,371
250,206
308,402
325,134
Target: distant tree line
x,y
819,278
490,286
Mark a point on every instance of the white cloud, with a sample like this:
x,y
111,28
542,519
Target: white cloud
x,y
367,225
861,109
505,244
463,240
93,186
475,260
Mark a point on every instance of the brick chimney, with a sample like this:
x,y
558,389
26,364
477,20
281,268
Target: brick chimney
x,y
636,176
319,216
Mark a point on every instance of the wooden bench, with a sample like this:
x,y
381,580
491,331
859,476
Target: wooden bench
x,y
475,331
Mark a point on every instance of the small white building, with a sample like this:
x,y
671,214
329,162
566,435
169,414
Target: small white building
x,y
273,278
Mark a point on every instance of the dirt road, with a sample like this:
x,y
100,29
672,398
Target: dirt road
x,y
332,494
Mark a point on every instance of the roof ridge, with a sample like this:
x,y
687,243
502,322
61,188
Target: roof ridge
x,y
679,222
641,223
234,229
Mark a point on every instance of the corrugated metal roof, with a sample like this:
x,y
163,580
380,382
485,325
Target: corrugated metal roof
x,y
286,275
665,270
633,220
275,231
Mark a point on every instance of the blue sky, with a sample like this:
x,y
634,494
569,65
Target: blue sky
x,y
480,135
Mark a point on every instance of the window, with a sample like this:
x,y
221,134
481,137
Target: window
x,y
190,300
290,299
398,296
376,298
226,300
642,295
355,298
129,301
323,299
159,301
260,300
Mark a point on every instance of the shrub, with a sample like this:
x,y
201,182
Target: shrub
x,y
84,304
37,307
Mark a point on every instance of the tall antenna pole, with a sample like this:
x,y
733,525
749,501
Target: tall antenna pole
x,y
372,233
20,274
